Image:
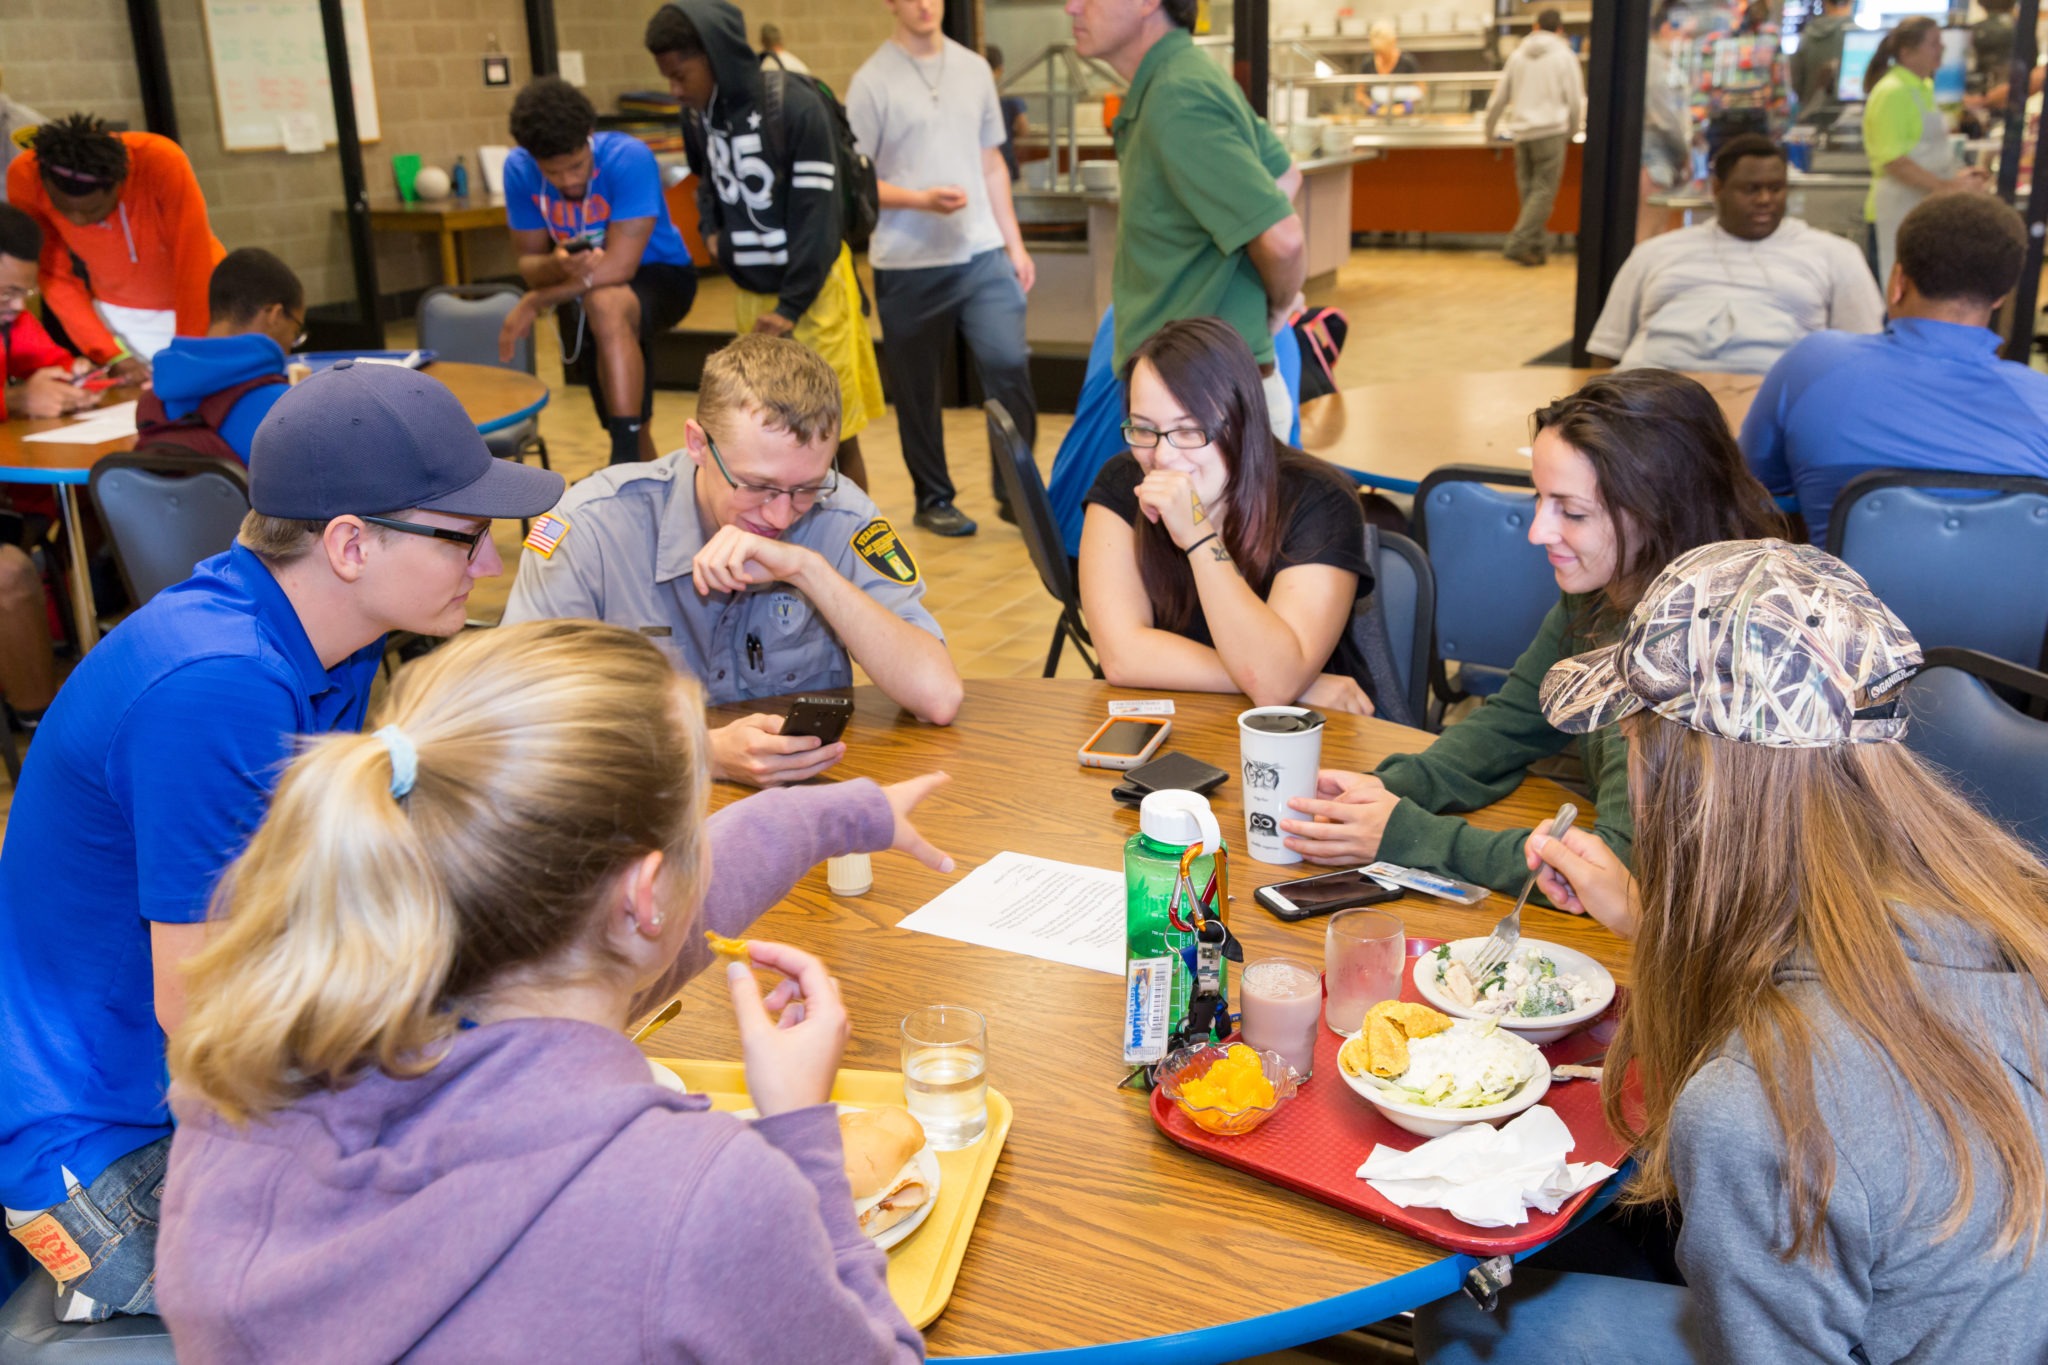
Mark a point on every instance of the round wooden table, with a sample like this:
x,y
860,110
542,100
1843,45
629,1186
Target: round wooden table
x,y
1392,436
493,397
1085,1242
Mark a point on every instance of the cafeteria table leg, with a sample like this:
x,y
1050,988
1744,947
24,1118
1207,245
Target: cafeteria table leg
x,y
451,265
85,620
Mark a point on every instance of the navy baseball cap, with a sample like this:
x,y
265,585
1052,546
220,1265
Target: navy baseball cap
x,y
359,438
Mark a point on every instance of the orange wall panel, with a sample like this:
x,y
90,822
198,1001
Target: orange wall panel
x,y
1452,189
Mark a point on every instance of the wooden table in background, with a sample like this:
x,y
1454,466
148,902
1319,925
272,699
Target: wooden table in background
x,y
1097,1229
492,397
447,219
1393,435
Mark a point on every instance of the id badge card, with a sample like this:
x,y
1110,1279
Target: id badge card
x,y
1428,883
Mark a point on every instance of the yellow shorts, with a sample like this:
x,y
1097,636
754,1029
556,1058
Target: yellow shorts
x,y
834,328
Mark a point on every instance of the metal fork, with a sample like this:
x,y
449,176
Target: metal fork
x,y
1494,953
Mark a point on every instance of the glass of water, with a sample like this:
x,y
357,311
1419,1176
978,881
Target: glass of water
x,y
945,1074
1363,955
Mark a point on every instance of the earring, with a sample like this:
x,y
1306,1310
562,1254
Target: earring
x,y
654,921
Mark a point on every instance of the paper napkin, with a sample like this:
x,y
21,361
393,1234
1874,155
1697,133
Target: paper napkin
x,y
1488,1177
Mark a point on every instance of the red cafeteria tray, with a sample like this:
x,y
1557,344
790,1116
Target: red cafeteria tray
x,y
1319,1139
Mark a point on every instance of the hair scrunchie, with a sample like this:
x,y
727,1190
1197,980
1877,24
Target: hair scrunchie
x,y
405,759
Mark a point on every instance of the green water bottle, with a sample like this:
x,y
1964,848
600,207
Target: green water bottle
x,y
1157,982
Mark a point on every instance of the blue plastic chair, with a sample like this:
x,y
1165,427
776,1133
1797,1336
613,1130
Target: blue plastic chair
x,y
1097,437
1963,573
1995,754
1493,588
1405,592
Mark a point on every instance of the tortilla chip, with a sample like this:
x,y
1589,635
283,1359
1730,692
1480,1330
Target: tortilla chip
x,y
1388,1027
732,948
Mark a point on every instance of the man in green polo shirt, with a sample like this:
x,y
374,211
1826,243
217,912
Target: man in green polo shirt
x,y
1207,226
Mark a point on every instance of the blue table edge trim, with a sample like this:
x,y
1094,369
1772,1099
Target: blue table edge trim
x,y
1293,1326
513,419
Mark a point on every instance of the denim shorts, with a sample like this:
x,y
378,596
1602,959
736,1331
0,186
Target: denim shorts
x,y
112,1226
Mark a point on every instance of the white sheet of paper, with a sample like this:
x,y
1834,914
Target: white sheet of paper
x,y
102,424
301,132
1062,912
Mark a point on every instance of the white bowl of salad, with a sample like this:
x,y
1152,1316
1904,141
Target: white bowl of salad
x,y
1545,990
1473,1072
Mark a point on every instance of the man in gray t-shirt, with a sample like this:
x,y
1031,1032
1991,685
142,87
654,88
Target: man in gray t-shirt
x,y
947,253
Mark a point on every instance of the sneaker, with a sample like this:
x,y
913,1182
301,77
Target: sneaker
x,y
944,519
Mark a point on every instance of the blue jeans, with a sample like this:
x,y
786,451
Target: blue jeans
x,y
1551,1318
114,1224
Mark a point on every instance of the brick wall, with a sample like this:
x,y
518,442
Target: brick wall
x,y
833,36
59,56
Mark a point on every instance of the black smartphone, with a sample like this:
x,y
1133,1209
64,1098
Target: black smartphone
x,y
1307,897
824,717
1176,772
577,245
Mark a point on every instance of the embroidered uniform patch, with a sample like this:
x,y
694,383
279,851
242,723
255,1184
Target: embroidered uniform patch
x,y
876,543
546,534
53,1248
787,609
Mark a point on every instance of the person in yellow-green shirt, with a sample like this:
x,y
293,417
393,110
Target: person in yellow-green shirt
x,y
1904,134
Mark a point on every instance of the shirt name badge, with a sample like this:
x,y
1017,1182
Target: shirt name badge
x,y
788,610
888,556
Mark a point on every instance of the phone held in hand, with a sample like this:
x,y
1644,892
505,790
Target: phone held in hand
x,y
823,717
577,245
1125,741
1306,897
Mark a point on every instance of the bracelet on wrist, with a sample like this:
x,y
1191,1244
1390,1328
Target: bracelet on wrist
x,y
1200,543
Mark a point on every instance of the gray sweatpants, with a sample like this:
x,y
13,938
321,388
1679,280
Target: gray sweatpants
x,y
1539,166
920,311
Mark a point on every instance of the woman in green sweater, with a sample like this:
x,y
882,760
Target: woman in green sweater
x,y
1631,471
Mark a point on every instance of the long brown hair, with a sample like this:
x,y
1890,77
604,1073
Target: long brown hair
x,y
1669,473
1907,33
1209,370
550,757
1862,845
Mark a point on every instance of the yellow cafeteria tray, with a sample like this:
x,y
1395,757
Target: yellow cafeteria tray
x,y
922,1267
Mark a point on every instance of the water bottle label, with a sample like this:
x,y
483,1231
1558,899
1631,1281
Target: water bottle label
x,y
1148,993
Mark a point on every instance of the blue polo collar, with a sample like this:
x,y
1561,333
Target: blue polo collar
x,y
1951,340
276,610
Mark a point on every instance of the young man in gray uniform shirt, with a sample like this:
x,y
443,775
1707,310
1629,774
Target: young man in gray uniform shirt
x,y
749,561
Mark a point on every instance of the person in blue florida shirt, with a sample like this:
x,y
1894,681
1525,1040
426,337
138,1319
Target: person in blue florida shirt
x,y
595,242
1929,392
373,497
210,393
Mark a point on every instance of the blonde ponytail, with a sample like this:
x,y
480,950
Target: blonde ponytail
x,y
549,757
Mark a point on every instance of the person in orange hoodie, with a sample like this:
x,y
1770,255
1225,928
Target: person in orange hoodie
x,y
128,206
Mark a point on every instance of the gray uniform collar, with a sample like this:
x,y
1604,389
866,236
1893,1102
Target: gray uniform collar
x,y
681,534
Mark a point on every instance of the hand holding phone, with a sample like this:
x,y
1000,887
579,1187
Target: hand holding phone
x,y
823,717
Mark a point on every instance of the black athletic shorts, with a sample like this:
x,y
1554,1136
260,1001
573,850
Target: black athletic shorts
x,y
666,293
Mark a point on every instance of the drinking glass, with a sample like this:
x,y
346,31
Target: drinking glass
x,y
1282,1001
945,1074
1363,954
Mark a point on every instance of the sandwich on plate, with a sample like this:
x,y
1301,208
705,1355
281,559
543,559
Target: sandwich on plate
x,y
887,1185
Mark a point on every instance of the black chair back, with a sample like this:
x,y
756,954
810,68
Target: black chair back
x,y
1025,489
164,510
1406,591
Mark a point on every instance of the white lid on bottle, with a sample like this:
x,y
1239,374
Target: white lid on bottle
x,y
1179,818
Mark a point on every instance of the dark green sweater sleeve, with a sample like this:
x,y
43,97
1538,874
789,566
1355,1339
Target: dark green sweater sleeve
x,y
1484,758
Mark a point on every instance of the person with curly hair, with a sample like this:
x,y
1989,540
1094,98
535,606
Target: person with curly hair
x,y
128,208
595,242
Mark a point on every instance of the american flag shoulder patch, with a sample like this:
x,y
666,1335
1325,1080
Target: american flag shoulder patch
x,y
546,534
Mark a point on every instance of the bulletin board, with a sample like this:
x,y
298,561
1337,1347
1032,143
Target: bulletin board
x,y
269,60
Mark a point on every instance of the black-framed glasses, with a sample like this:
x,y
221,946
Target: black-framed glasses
x,y
470,540
1180,438
802,498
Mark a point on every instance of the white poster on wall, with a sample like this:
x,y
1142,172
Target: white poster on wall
x,y
269,61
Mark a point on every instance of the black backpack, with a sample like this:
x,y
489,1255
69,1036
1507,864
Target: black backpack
x,y
860,195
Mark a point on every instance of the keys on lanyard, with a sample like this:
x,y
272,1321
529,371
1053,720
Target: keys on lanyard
x,y
1202,915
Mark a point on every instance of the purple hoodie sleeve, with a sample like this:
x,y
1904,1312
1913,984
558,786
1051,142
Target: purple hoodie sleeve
x,y
770,1262
761,847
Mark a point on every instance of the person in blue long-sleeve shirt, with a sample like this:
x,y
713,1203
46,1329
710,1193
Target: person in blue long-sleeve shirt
x,y
210,393
1929,392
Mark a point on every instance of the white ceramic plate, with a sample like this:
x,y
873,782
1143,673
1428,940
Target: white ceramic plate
x,y
1547,1029
924,1161
1429,1121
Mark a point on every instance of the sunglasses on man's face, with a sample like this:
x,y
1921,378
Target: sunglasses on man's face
x,y
472,541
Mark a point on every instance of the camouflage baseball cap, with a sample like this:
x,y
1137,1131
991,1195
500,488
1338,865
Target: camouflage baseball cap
x,y
1751,640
